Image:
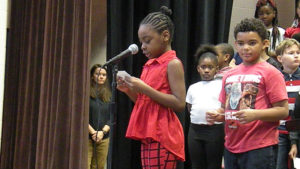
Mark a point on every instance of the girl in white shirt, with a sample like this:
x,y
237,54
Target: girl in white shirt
x,y
266,11
206,143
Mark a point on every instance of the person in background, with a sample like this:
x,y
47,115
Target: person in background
x,y
266,11
225,55
206,142
288,54
250,106
295,140
236,60
296,114
157,94
99,124
295,28
271,60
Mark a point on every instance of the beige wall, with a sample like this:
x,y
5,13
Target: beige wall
x,y
3,28
286,12
241,9
99,27
245,9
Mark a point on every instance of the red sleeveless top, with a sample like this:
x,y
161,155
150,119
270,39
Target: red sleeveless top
x,y
151,120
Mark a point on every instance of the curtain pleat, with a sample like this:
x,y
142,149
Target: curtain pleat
x,y
45,111
22,87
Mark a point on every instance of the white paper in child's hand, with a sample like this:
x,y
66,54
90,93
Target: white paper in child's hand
x,y
297,163
123,74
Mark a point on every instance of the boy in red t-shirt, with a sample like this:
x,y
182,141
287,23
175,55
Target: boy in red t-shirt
x,y
253,99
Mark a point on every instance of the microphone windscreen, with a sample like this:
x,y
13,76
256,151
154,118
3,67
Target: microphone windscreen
x,y
133,48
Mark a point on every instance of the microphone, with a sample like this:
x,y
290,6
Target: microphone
x,y
132,49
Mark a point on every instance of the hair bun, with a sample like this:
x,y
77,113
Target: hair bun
x,y
260,3
165,10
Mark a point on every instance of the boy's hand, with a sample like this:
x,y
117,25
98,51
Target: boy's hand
x,y
293,151
245,115
214,116
211,117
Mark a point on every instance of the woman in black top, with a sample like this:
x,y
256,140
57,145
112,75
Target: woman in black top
x,y
100,95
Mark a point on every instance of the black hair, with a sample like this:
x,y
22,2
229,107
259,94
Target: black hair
x,y
226,48
160,21
206,51
296,36
251,25
270,3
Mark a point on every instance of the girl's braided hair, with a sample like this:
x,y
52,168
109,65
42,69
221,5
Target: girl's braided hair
x,y
160,21
275,32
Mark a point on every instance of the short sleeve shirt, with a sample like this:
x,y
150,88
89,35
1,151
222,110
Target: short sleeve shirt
x,y
251,87
150,119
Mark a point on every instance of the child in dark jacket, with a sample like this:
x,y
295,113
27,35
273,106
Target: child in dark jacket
x,y
288,54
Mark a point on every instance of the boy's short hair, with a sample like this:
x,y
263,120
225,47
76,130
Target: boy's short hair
x,y
286,43
251,25
226,48
208,51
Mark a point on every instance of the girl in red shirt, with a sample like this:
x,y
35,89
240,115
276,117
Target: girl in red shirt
x,y
157,94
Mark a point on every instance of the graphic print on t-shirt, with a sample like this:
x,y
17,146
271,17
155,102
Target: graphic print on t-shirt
x,y
241,92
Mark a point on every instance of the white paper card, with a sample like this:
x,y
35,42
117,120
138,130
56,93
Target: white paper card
x,y
297,163
123,74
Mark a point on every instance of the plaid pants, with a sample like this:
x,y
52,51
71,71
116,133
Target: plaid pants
x,y
154,156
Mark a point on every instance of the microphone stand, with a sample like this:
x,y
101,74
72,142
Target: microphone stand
x,y
113,117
